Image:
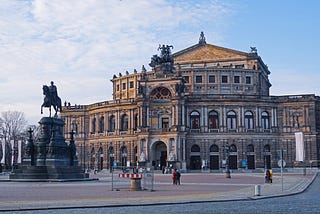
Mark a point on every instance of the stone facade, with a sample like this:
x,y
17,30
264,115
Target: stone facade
x,y
194,110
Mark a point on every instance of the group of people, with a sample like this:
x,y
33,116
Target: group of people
x,y
176,175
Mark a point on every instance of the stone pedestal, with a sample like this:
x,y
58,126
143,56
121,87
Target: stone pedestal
x,y
51,157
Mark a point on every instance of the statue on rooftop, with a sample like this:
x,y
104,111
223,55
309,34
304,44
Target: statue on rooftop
x,y
202,39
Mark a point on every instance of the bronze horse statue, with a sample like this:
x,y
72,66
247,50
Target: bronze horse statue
x,y
51,99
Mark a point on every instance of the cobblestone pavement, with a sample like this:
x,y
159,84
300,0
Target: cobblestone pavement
x,y
194,187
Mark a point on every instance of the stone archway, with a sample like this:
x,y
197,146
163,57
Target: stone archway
x,y
195,158
159,155
214,157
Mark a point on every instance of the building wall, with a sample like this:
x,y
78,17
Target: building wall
x,y
166,116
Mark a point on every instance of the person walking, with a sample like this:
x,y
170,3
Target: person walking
x,y
178,177
174,177
268,176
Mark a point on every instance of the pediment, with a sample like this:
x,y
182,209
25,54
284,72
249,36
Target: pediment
x,y
207,52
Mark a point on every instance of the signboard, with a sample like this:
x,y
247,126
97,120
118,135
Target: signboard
x,y
281,163
244,163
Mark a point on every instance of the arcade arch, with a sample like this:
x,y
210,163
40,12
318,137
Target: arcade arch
x,y
159,155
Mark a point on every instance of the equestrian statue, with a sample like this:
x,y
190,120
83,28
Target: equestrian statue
x,y
51,98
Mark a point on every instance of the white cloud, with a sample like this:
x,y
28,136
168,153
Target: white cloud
x,y
81,44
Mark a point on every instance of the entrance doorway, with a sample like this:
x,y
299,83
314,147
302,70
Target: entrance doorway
x,y
267,161
250,157
159,155
214,162
250,161
233,162
214,157
195,162
267,156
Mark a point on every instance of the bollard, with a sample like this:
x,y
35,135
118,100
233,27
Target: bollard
x,y
135,184
257,190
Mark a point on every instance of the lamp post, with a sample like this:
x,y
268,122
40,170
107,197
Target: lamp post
x,y
226,151
111,158
124,157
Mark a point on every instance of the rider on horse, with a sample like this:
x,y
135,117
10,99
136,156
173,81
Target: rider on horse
x,y
53,92
51,98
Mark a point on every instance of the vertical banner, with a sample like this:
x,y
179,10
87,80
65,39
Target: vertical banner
x,y
19,151
12,152
299,146
3,152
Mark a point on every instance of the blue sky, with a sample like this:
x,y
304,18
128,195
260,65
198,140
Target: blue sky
x,y
81,44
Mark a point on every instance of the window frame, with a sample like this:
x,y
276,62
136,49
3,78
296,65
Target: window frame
x,y
248,120
224,79
213,120
199,79
231,120
195,120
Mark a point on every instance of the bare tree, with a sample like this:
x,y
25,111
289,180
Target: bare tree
x,y
12,127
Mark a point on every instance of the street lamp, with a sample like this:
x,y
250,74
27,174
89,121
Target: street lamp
x,y
111,158
226,152
124,157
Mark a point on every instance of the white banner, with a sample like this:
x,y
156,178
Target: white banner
x,y
19,151
3,151
12,151
299,146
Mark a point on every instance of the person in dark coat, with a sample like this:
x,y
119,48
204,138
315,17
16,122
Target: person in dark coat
x,y
178,177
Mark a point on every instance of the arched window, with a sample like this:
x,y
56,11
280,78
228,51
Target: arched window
x,y
195,120
124,122
250,148
233,148
112,124
231,120
195,148
265,120
101,124
214,148
160,93
213,120
248,120
93,125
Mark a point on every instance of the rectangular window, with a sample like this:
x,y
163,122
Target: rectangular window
x,y
186,79
198,79
165,123
224,79
236,79
124,86
248,80
240,66
212,79
118,87
131,84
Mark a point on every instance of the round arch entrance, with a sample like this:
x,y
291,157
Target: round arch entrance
x,y
159,155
